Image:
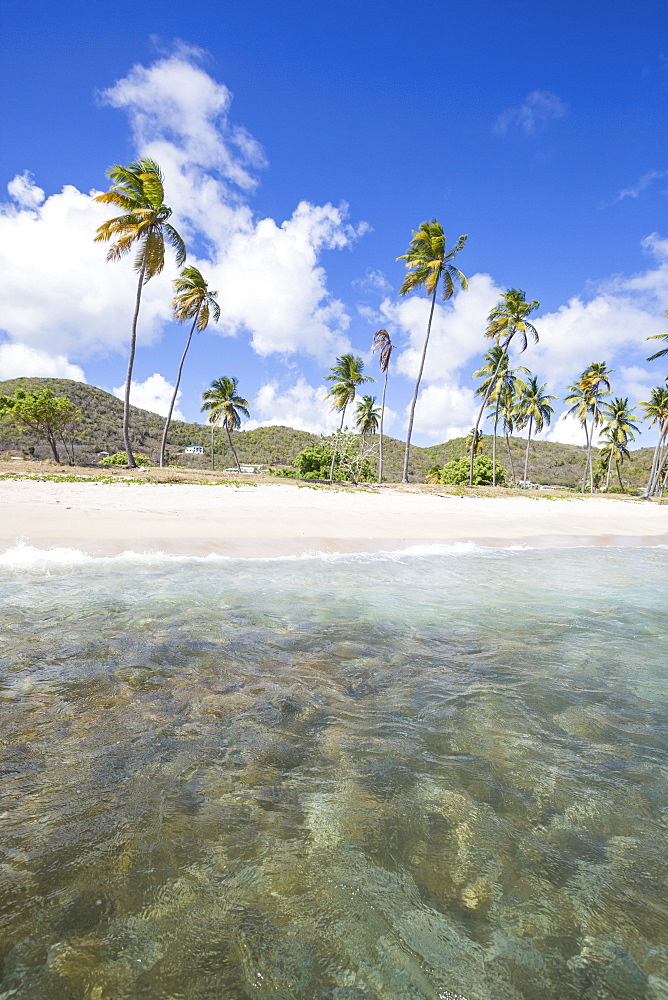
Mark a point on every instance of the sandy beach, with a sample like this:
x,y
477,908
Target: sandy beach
x,y
276,519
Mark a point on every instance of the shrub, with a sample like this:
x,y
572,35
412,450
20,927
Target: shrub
x,y
120,458
456,473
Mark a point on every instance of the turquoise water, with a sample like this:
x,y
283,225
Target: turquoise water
x,y
429,775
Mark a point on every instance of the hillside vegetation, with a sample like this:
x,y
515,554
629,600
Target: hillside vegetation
x,y
100,430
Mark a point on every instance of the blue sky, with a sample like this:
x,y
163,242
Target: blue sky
x,y
301,145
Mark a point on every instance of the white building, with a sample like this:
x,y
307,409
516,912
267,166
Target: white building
x,y
194,449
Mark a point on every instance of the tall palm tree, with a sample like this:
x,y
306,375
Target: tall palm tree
x,y
382,343
344,376
533,408
194,301
367,415
138,190
656,411
585,397
618,430
222,403
507,320
509,396
498,379
429,266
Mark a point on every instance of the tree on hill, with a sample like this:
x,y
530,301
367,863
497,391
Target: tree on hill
x,y
429,266
585,397
194,301
344,376
222,403
46,415
507,320
618,430
499,382
138,190
533,410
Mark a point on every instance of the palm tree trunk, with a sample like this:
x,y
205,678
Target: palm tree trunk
x,y
496,424
584,478
510,458
128,379
404,477
229,438
331,468
619,474
652,471
607,478
526,456
176,389
591,454
490,389
380,446
213,465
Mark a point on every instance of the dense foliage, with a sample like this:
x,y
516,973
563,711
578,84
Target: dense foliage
x,y
456,473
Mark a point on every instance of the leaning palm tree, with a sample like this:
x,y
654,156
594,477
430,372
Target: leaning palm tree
x,y
618,430
509,396
367,415
345,376
507,320
138,190
429,265
656,411
382,343
194,301
535,410
498,379
222,403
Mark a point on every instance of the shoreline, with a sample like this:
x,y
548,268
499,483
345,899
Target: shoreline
x,y
251,521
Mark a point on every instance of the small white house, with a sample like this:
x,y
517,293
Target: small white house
x,y
194,449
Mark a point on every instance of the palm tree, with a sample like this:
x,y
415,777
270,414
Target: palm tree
x,y
223,404
509,397
138,190
533,408
507,320
345,376
618,430
194,301
382,343
498,379
367,415
429,265
656,410
585,397
659,336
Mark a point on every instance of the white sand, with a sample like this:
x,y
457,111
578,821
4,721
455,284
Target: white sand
x,y
271,519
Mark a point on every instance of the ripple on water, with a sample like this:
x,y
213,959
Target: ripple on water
x,y
435,775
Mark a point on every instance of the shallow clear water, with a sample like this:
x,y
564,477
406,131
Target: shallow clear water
x,y
412,776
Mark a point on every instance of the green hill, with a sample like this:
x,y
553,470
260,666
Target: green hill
x,y
100,430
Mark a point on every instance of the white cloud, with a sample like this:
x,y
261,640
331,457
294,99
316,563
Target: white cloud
x,y
445,411
59,294
154,394
566,430
538,107
304,407
641,184
457,331
24,191
20,361
271,284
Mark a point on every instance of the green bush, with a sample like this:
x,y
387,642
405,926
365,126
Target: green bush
x,y
121,458
456,473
